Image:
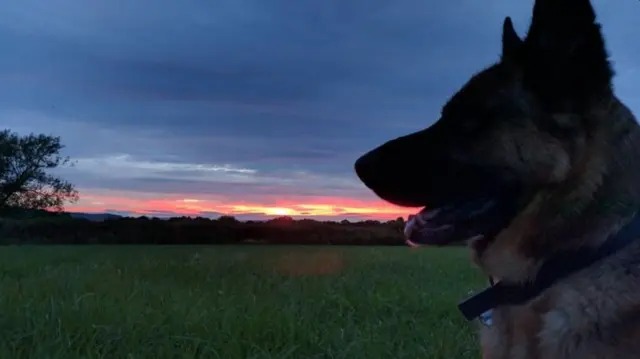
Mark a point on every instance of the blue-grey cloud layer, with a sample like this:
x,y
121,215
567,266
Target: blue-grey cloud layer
x,y
286,87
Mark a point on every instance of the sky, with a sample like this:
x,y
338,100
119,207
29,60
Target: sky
x,y
250,107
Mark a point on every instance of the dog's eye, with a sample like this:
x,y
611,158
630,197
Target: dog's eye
x,y
468,125
562,125
467,119
476,120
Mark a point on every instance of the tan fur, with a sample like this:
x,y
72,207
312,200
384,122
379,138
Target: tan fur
x,y
565,321
602,301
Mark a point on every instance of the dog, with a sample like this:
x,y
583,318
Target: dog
x,y
534,165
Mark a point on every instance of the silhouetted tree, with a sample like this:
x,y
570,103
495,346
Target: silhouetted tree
x,y
24,181
56,228
228,219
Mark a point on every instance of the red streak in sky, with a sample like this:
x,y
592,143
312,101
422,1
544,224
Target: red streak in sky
x,y
190,205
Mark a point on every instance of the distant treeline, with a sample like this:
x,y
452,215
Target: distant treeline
x,y
61,228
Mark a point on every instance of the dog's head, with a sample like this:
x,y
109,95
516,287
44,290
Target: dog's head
x,y
519,127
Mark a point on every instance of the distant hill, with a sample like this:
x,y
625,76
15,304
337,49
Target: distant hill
x,y
97,217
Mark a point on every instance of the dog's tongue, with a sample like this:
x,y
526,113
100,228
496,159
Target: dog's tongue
x,y
444,225
425,228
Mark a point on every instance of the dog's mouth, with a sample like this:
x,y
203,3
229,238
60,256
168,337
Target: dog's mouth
x,y
463,199
455,224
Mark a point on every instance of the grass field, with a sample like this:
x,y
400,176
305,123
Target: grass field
x,y
234,302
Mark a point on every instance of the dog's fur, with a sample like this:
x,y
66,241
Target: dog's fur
x,y
545,117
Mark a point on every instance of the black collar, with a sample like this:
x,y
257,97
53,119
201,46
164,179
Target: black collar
x,y
556,268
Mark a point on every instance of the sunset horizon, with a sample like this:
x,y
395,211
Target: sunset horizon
x,y
321,208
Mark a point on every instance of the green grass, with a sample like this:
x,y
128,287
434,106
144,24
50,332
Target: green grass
x,y
234,302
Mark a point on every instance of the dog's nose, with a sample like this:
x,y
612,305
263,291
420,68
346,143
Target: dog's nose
x,y
384,177
365,168
391,173
374,173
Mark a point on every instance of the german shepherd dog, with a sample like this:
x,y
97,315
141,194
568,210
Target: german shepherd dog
x,y
535,166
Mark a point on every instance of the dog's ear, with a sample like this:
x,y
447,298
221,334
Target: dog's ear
x,y
566,59
511,42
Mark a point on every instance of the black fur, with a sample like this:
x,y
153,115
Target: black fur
x,y
564,58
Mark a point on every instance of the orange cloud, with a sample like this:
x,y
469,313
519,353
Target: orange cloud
x,y
190,205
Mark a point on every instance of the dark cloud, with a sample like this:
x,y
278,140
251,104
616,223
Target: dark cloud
x,y
283,87
266,190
